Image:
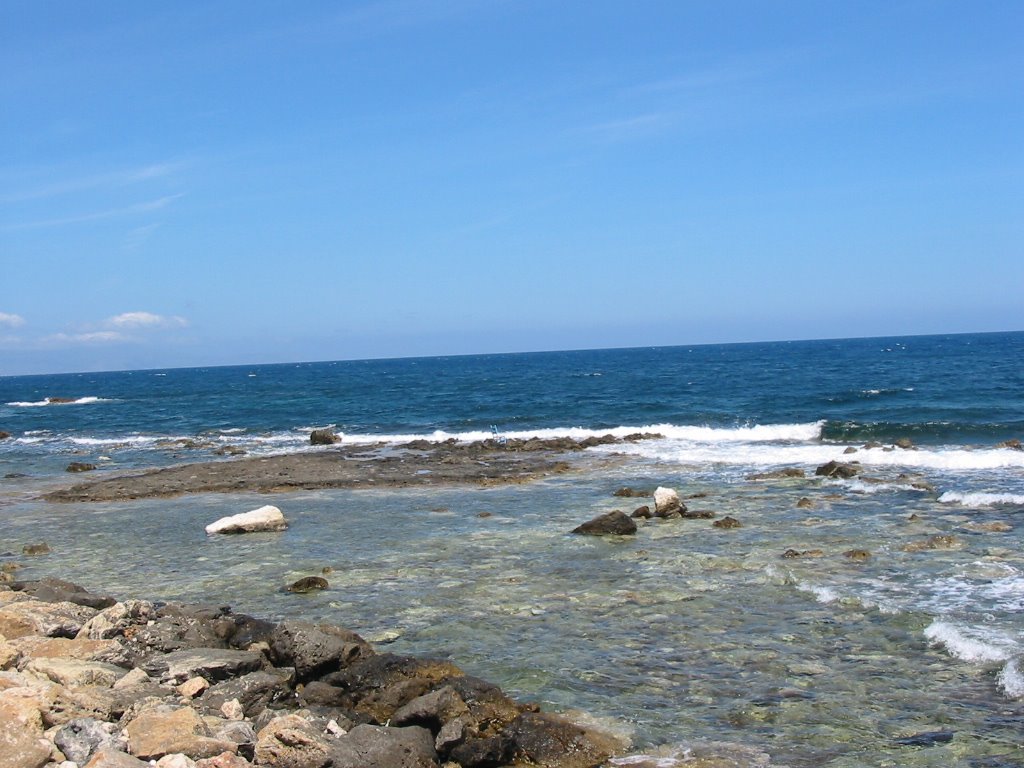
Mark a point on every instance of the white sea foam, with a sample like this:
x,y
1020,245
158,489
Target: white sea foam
x,y
1011,680
980,499
821,594
39,403
972,643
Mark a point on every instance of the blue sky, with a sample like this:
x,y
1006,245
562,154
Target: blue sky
x,y
198,183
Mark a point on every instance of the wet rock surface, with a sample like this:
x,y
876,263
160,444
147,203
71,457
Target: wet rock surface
x,y
420,463
134,682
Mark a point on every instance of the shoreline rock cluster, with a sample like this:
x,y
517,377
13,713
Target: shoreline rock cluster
x,y
89,681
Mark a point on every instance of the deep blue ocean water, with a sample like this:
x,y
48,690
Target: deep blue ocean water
x,y
683,633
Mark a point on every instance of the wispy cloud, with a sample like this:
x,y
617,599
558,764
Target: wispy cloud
x,y
110,213
11,321
120,178
91,337
145,320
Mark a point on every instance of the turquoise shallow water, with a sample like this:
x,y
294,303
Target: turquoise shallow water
x,y
680,634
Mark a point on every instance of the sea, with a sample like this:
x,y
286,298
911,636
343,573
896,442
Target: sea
x,y
876,620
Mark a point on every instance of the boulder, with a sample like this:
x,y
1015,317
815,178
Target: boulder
x,y
837,469
32,617
290,741
34,647
554,742
370,746
21,735
156,733
116,620
323,437
778,474
210,663
615,522
315,649
905,443
666,502
74,673
266,518
58,591
79,739
484,753
432,710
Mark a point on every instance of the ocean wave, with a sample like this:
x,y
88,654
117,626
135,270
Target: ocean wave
x,y
1011,680
981,499
59,401
970,643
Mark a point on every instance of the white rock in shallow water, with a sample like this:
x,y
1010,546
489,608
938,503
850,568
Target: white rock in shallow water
x,y
666,501
268,518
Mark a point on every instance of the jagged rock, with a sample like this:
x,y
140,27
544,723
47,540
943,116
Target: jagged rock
x,y
109,651
308,584
490,752
267,518
432,710
837,469
666,502
380,685
289,741
73,673
211,663
253,692
156,733
114,621
33,617
615,523
553,742
80,466
315,649
794,553
79,739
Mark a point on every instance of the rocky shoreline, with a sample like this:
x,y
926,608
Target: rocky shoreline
x,y
87,680
420,463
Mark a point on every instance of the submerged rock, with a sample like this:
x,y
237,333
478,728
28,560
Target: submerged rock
x,y
80,466
934,542
727,522
266,518
615,522
779,474
42,548
630,493
857,555
1013,444
643,512
308,584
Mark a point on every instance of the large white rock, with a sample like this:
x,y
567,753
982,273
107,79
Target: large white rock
x,y
666,501
268,518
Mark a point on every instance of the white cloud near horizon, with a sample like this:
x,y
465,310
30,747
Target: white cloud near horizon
x,y
145,320
11,320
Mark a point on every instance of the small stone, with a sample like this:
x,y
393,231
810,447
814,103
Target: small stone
x,y
805,503
232,710
193,687
727,522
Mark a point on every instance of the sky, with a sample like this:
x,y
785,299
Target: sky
x,y
240,181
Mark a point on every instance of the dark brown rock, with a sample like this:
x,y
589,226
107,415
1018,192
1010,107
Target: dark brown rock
x,y
308,584
857,555
553,742
630,493
727,522
323,437
837,469
370,746
491,752
80,466
315,650
42,548
643,512
615,523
